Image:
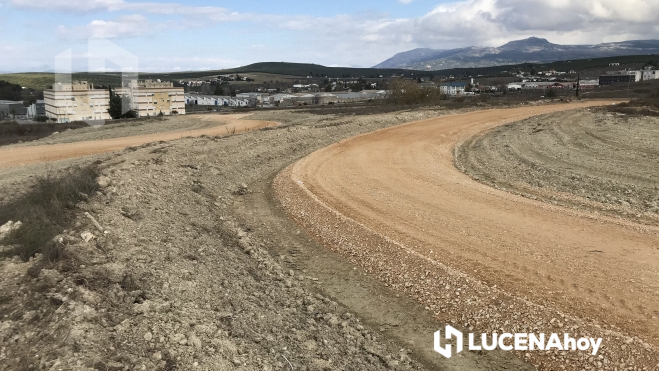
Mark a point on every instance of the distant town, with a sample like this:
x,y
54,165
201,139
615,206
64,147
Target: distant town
x,y
81,101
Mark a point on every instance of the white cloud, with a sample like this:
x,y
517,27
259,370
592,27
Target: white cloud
x,y
78,6
125,26
367,39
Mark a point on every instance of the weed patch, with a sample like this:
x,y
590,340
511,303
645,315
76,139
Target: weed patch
x,y
13,132
46,210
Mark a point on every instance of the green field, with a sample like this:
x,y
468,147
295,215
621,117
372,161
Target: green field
x,y
35,80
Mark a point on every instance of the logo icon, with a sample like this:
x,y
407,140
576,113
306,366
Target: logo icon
x,y
446,349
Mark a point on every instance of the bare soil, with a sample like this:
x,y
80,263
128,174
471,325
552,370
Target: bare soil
x,y
76,145
200,269
590,160
393,202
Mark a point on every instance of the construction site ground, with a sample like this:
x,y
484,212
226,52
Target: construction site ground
x,y
203,268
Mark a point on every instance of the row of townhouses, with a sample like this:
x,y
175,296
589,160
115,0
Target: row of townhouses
x,y
79,101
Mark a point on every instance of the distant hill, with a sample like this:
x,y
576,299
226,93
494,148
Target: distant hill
x,y
531,50
298,69
591,66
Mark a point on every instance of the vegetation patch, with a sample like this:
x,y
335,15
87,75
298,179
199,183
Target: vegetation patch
x,y
646,106
45,211
13,132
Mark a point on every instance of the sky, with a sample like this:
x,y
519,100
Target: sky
x,y
170,35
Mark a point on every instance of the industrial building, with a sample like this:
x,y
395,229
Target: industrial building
x,y
616,79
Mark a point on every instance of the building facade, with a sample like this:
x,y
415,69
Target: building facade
x,y
77,101
453,88
616,79
152,98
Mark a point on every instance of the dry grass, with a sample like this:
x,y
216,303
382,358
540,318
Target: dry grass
x,y
645,106
45,211
12,132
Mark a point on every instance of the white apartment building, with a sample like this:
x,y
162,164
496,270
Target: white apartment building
x,y
150,98
77,101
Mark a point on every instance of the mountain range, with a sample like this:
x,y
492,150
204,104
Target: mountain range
x,y
531,50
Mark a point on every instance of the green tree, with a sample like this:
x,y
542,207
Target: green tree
x,y
218,90
120,107
30,100
551,93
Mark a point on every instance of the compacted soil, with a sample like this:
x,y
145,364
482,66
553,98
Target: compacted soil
x,y
393,202
74,144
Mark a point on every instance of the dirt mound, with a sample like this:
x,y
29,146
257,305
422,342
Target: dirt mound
x,y
596,161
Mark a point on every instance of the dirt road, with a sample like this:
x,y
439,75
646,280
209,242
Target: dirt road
x,y
23,155
393,202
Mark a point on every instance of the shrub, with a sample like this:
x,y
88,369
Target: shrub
x,y
410,92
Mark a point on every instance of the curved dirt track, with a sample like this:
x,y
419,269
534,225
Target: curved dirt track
x,y
24,155
393,201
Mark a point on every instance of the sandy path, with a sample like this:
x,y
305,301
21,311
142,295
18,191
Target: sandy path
x,y
227,125
400,183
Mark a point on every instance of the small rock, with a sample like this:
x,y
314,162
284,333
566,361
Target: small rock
x,y
103,181
141,308
194,341
9,226
87,236
115,366
148,336
242,189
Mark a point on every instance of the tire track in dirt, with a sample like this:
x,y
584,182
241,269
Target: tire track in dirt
x,y
24,155
393,202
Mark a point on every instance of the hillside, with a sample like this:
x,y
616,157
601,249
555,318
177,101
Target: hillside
x,y
531,50
267,71
298,69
